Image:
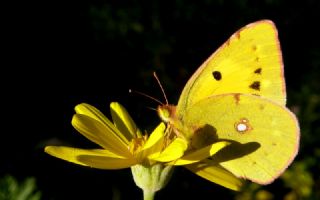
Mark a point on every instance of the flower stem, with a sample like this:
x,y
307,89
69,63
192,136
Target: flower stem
x,y
148,194
151,178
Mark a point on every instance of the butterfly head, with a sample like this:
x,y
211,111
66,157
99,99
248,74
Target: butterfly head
x,y
166,112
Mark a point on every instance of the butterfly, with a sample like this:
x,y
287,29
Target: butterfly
x,y
238,94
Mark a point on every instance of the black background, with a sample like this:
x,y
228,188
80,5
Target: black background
x,y
57,54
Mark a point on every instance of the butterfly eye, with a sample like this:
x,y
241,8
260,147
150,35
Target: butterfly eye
x,y
243,125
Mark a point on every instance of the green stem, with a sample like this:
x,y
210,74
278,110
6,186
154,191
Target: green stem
x,y
151,178
148,195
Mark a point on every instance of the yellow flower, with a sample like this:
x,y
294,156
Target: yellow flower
x,y
122,144
198,161
151,158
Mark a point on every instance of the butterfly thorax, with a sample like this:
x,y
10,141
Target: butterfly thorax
x,y
167,113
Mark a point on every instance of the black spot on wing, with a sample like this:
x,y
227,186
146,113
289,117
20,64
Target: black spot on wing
x,y
255,85
258,71
217,75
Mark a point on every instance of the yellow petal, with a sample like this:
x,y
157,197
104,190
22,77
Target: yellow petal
x,y
103,162
123,121
201,154
91,111
174,151
216,174
70,154
155,136
100,134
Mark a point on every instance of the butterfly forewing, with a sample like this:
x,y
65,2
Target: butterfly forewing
x,y
250,62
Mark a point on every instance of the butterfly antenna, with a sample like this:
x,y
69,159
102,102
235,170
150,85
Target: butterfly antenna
x,y
159,83
150,108
145,95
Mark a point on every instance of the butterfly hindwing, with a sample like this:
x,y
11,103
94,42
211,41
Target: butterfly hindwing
x,y
264,134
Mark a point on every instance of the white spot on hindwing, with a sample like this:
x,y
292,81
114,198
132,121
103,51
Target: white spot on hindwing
x,y
243,125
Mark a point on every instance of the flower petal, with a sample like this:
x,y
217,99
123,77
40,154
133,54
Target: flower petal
x,y
123,121
153,145
155,136
172,152
103,162
216,174
70,154
91,111
201,154
100,134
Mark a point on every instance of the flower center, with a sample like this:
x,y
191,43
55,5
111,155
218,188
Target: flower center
x,y
136,144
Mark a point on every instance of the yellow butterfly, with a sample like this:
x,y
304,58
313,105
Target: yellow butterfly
x,y
238,94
